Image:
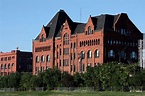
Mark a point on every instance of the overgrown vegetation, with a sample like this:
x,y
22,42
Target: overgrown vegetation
x,y
101,77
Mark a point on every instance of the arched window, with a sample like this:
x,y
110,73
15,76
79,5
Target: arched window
x,y
42,58
89,30
133,55
12,64
9,66
48,58
96,53
111,54
89,54
5,66
2,66
82,55
37,59
66,39
42,39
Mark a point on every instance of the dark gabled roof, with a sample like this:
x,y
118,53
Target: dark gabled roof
x,y
105,21
56,23
80,28
54,27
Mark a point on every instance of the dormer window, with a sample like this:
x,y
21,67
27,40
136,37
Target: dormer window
x,y
42,39
89,30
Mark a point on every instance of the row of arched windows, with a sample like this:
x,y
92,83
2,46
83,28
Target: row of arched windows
x,y
7,66
42,58
89,54
90,42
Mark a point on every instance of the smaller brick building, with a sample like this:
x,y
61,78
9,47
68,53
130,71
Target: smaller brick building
x,y
15,61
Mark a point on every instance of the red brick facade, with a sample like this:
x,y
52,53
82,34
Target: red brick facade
x,y
73,46
15,61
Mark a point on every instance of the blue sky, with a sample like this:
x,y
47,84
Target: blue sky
x,y
22,20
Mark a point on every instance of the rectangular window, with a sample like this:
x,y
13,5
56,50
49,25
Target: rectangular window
x,y
66,51
71,68
60,63
82,67
57,55
74,56
66,62
60,52
74,68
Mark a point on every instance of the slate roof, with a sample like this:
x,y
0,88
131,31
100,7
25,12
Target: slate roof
x,y
54,27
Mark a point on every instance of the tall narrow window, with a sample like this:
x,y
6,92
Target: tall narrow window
x,y
37,59
42,58
9,66
122,55
48,58
96,53
82,55
2,66
89,54
42,38
66,39
89,30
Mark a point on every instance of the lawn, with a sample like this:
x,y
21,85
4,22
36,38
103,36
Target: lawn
x,y
72,93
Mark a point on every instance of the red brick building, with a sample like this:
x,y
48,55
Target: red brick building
x,y
72,46
15,61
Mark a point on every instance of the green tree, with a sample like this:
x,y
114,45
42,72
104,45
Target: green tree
x,y
14,80
25,80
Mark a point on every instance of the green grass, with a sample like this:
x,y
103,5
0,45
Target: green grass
x,y
71,93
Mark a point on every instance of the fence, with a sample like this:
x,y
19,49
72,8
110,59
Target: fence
x,y
119,88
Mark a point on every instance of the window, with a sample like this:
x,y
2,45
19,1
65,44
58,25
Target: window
x,y
71,57
37,59
12,64
98,41
96,53
82,67
74,68
111,54
122,55
89,30
74,45
133,55
42,38
48,58
71,68
66,51
66,39
5,66
9,66
57,55
89,54
42,58
82,55
60,52
2,59
74,56
2,66
66,62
